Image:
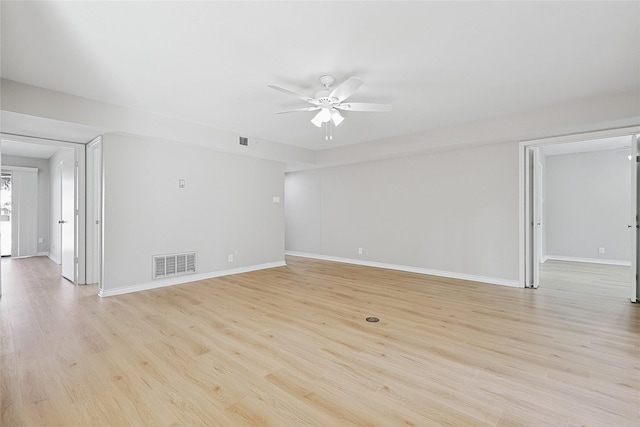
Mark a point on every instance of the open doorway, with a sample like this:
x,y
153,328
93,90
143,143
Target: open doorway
x,y
584,208
579,214
58,200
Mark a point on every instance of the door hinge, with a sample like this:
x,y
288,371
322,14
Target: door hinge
x,y
637,159
76,164
77,212
76,260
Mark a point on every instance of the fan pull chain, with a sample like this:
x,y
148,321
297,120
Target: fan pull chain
x,y
328,136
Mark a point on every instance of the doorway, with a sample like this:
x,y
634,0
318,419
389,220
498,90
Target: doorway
x,y
583,219
65,199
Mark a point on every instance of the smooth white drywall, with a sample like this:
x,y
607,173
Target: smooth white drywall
x,y
43,194
226,207
587,205
35,101
454,211
542,159
578,116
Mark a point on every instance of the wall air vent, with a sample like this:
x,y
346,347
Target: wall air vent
x,y
244,141
174,264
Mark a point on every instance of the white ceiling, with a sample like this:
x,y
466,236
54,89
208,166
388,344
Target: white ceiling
x,y
39,127
437,63
25,149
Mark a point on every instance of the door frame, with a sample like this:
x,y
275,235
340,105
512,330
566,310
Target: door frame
x,y
79,193
633,224
526,246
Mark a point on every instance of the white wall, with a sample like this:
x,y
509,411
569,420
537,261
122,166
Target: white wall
x,y
453,212
225,208
43,194
26,100
66,156
587,206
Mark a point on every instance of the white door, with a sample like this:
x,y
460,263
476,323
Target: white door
x,y
536,169
94,213
633,219
532,217
67,220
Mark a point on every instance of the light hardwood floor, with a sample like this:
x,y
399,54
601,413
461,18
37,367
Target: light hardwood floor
x,y
585,280
290,346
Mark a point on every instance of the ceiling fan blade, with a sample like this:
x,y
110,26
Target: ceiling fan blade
x,y
363,106
299,109
346,89
290,92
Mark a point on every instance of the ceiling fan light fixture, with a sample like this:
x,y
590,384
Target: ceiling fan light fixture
x,y
317,119
336,117
322,117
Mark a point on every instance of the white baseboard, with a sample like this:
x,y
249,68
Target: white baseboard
x,y
587,260
34,255
54,259
186,279
419,270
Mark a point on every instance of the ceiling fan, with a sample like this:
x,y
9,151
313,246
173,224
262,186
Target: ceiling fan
x,y
329,102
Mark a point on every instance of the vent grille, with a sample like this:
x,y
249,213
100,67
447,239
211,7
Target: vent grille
x,y
244,141
174,264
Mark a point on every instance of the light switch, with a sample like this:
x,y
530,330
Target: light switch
x,y
276,199
181,183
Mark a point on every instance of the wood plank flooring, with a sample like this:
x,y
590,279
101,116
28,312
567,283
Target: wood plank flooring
x,y
290,346
572,279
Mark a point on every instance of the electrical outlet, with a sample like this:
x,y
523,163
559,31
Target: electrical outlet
x,y
359,251
230,258
600,250
40,240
